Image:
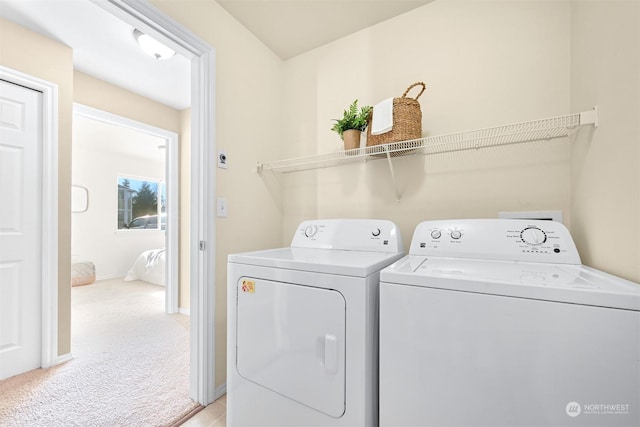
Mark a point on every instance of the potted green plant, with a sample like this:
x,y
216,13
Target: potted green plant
x,y
351,125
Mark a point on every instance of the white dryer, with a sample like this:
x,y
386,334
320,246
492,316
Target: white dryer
x,y
497,323
302,330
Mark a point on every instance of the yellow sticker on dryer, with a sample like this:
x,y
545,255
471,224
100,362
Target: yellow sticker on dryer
x,y
249,286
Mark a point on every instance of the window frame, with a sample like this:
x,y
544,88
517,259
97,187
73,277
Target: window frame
x,y
161,203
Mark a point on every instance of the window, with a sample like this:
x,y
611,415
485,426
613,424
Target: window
x,y
141,203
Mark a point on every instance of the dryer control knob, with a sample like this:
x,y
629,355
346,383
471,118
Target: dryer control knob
x,y
310,231
375,232
533,236
455,234
435,234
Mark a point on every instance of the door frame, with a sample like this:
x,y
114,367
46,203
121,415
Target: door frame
x,y
150,20
173,191
49,232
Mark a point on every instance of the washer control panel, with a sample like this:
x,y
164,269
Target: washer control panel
x,y
497,239
349,234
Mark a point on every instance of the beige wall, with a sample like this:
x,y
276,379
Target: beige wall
x,y
104,96
605,163
248,127
31,53
485,64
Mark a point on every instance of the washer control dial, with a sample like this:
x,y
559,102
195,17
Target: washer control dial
x,y
435,234
533,236
375,232
456,234
310,230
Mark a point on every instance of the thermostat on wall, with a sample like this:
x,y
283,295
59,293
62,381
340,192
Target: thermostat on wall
x,y
222,159
543,215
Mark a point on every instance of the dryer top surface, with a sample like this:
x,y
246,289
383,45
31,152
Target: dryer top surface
x,y
328,261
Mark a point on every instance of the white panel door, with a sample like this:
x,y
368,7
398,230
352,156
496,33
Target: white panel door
x,y
291,340
20,229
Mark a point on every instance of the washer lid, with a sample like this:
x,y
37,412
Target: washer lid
x,y
575,284
329,261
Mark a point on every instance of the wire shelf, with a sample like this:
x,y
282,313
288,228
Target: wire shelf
x,y
545,129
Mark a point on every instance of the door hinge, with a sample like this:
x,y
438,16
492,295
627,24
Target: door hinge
x,y
202,245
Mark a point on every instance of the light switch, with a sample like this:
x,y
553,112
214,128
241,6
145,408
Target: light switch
x,y
221,207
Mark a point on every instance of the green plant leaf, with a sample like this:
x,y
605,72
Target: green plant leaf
x,y
352,118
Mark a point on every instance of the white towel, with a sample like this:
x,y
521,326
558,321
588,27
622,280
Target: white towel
x,y
382,118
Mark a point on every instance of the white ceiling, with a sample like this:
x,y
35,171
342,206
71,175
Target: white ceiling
x,y
292,27
104,46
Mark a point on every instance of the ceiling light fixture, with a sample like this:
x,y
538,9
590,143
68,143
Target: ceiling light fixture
x,y
152,47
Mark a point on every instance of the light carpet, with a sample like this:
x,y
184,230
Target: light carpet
x,y
130,365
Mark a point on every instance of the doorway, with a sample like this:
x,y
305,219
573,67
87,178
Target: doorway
x,y
113,152
144,16
148,19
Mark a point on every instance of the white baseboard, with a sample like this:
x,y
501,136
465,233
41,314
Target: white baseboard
x,y
111,276
185,311
220,391
64,358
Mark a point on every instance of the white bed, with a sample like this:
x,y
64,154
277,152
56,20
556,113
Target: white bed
x,y
149,266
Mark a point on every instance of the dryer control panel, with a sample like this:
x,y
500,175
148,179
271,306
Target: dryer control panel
x,y
496,239
370,235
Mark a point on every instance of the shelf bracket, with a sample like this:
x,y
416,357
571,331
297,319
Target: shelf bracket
x,y
590,117
393,174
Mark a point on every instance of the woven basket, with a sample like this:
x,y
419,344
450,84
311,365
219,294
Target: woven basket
x,y
407,120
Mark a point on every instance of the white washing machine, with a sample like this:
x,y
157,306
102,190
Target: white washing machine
x,y
497,323
302,330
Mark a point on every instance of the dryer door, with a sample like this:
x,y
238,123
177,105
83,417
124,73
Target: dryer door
x,y
291,340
